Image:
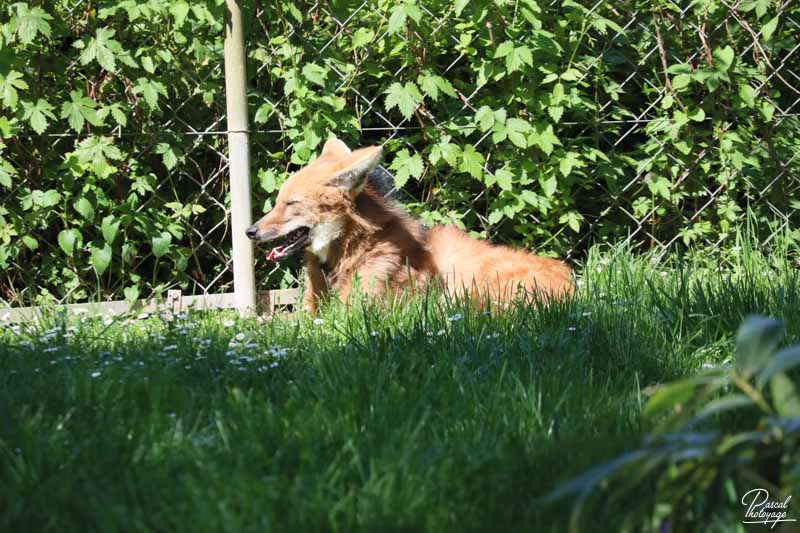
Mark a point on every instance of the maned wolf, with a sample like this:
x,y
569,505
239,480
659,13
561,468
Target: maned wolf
x,y
348,230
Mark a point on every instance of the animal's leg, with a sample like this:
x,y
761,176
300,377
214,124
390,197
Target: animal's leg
x,y
315,285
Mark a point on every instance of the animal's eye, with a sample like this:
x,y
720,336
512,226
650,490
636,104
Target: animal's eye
x,y
292,202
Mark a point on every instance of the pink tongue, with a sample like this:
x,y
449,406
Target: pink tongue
x,y
276,254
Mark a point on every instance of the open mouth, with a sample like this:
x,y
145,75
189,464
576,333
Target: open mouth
x,y
289,244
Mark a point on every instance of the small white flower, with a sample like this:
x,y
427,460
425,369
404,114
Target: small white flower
x,y
318,321
440,333
239,337
572,328
96,374
455,317
142,316
229,323
663,274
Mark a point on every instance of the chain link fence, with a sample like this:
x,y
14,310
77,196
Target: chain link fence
x,y
180,168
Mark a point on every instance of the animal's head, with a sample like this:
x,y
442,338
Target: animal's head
x,y
312,205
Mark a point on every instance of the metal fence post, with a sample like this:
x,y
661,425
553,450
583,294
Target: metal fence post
x,y
239,159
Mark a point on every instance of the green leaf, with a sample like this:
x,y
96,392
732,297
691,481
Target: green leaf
x,y
37,114
517,131
783,361
8,88
670,396
79,109
102,48
723,58
168,155
472,162
432,85
6,173
405,166
179,11
756,340
30,242
119,116
315,74
131,293
698,115
529,197
363,37
161,244
549,186
45,199
555,112
459,6
68,238
570,161
544,138
760,6
110,228
504,49
518,57
267,180
748,94
485,118
495,216
572,219
96,151
148,65
681,81
150,90
504,179
769,28
447,151
30,22
784,396
404,97
400,15
85,208
100,258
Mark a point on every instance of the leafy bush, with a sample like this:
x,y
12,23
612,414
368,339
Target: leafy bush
x,y
694,472
550,126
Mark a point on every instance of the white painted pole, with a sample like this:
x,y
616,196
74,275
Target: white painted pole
x,y
244,284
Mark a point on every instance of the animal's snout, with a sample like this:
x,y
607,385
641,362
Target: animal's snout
x,y
251,231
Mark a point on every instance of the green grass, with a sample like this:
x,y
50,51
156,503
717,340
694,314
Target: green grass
x,y
425,416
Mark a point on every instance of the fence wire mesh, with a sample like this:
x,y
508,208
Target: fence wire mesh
x,y
634,206
322,68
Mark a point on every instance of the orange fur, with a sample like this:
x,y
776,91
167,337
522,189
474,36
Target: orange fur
x,y
355,233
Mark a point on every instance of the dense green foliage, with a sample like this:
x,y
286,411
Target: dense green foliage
x,y
699,469
548,125
424,417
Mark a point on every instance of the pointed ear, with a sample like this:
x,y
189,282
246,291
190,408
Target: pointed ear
x,y
336,148
354,176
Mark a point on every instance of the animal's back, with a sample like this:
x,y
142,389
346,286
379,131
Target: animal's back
x,y
477,267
